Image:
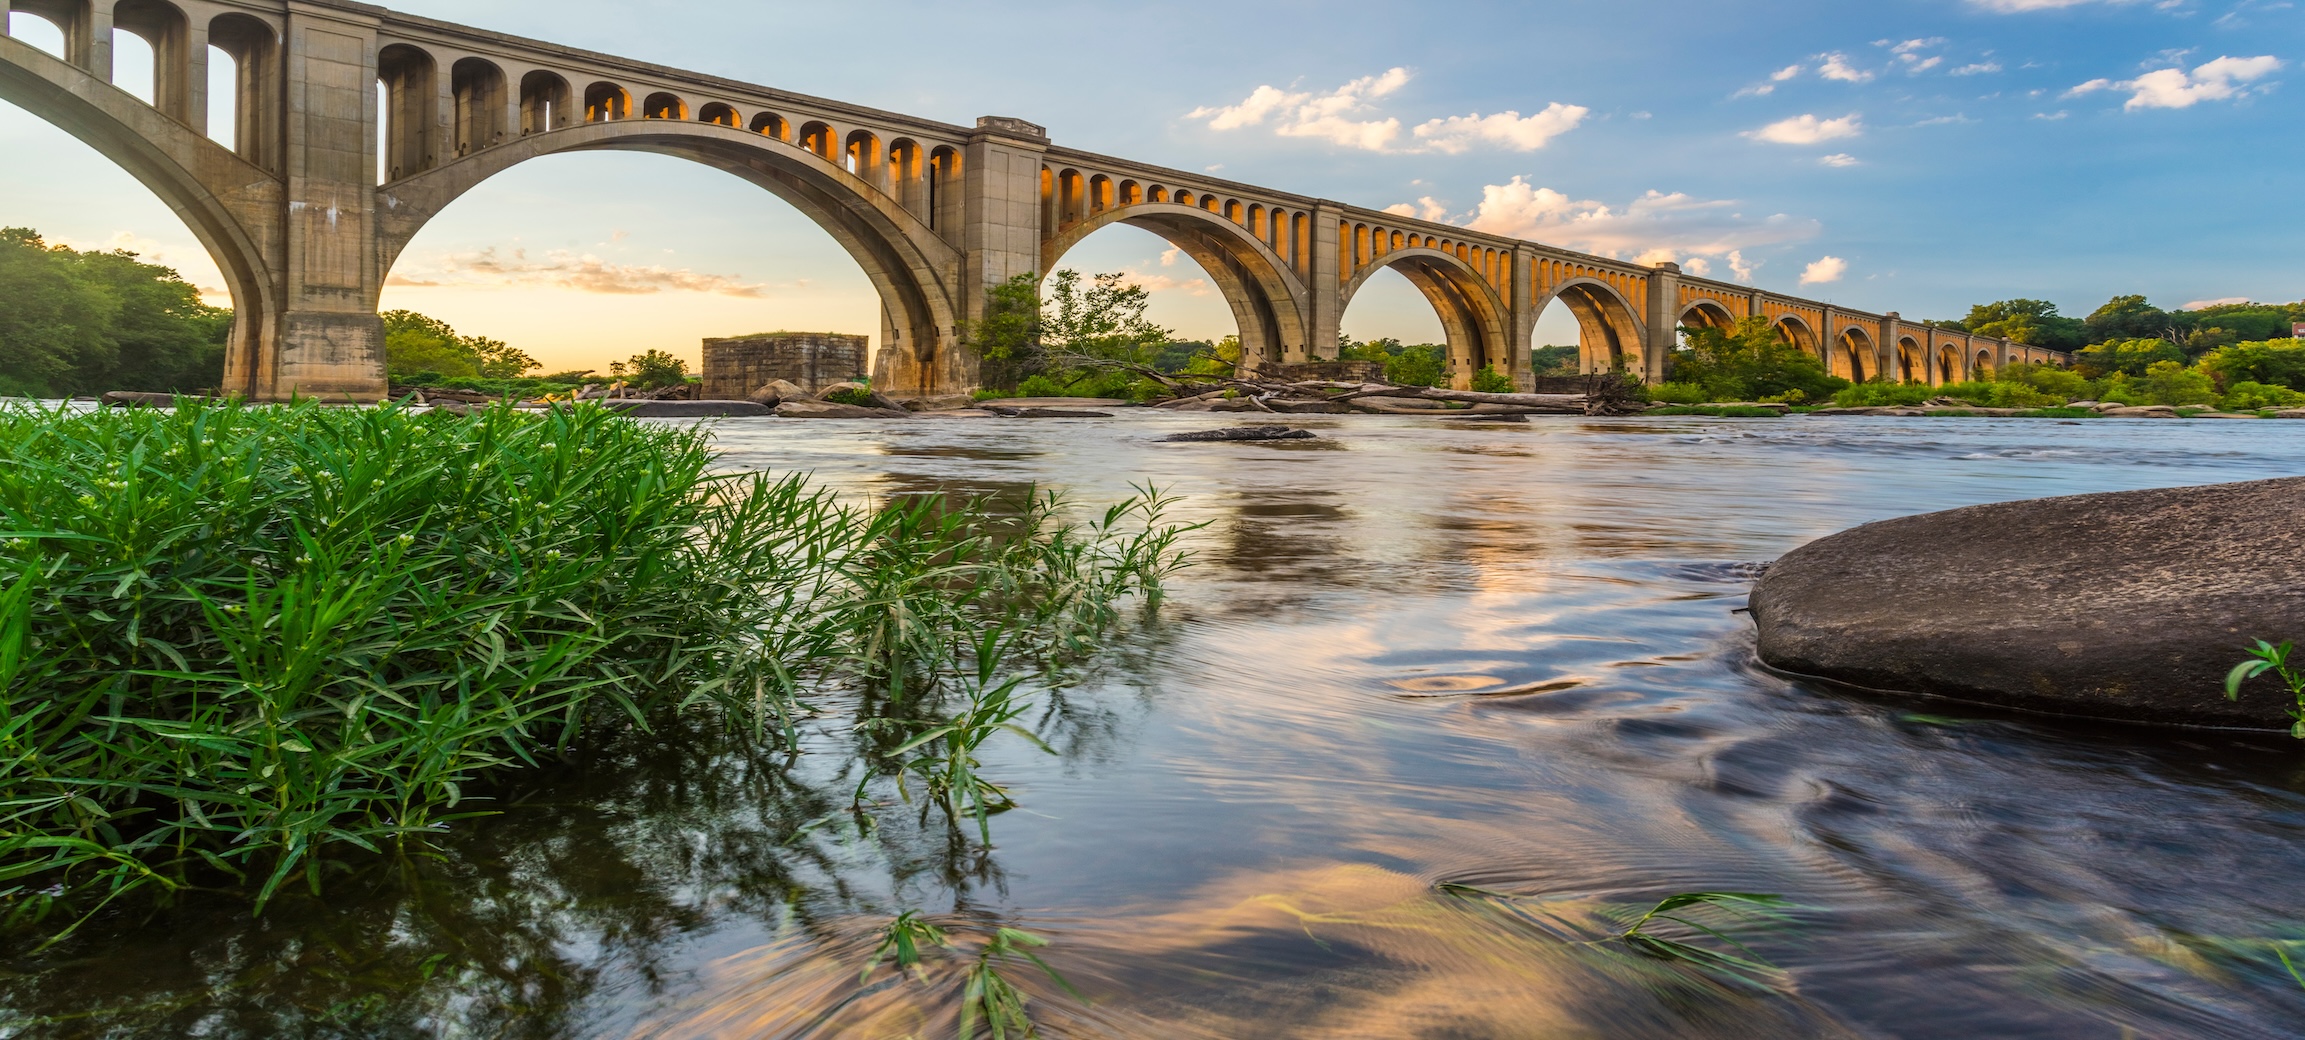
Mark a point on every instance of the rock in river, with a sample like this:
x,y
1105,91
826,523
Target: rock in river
x,y
2129,606
1241,433
688,409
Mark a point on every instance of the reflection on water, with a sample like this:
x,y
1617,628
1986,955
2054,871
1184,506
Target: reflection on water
x,y
1491,655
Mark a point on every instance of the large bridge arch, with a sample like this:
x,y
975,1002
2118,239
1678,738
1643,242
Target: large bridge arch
x,y
1267,299
913,270
1707,314
1855,358
1474,317
1610,337
223,199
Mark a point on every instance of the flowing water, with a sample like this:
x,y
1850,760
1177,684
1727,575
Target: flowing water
x,y
1414,652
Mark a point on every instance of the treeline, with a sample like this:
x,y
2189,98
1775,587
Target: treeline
x,y
1753,362
2128,319
74,323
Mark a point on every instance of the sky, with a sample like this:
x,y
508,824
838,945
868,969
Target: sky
x,y
1918,156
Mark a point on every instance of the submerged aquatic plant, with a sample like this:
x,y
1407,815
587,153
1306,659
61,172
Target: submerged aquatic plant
x,y
1715,915
991,999
1685,909
237,640
2269,658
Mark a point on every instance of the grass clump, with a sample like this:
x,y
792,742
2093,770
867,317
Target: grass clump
x,y
1719,411
237,641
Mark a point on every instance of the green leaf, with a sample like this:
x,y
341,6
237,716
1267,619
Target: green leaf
x,y
2241,673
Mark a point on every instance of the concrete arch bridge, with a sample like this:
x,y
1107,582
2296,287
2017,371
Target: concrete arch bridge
x,y
355,125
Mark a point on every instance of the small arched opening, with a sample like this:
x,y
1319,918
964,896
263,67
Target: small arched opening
x,y
664,105
769,124
409,96
164,67
818,139
543,102
944,189
606,102
719,113
480,104
243,118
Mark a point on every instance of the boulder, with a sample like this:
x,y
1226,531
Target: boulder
x,y
830,410
2149,411
778,391
2129,606
1000,408
1241,433
645,409
939,403
2290,413
1311,407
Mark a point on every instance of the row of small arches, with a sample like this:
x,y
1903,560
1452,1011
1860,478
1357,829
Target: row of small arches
x,y
226,89
1069,197
925,179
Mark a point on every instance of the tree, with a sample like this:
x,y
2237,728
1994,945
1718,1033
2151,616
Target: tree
x,y
51,322
2129,318
417,346
651,370
1556,360
2278,362
1008,337
2031,322
2128,357
1751,361
2170,382
74,323
1101,322
1420,364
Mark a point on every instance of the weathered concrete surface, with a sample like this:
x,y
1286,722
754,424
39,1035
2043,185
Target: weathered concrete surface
x,y
2126,606
736,367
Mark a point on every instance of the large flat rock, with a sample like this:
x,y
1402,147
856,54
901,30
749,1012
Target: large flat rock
x,y
2128,606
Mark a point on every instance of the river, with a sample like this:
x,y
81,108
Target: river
x,y
1413,652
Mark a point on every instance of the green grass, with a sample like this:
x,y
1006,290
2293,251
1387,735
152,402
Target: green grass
x,y
1718,412
238,642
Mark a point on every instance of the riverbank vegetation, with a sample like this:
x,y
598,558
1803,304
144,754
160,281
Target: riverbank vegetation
x,y
242,647
74,322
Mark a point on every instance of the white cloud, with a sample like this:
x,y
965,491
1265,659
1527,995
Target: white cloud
x,y
1458,134
2220,302
1169,257
1808,129
1699,266
1839,159
1779,76
1836,66
1825,271
1426,208
1783,74
1655,227
1982,68
1740,269
1348,117
2219,80
566,269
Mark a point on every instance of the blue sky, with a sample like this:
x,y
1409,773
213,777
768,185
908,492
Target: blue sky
x,y
1909,155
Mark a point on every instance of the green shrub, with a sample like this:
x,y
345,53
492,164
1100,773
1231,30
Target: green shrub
x,y
1491,381
2170,382
236,641
1999,395
2250,397
850,395
1884,395
1678,393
